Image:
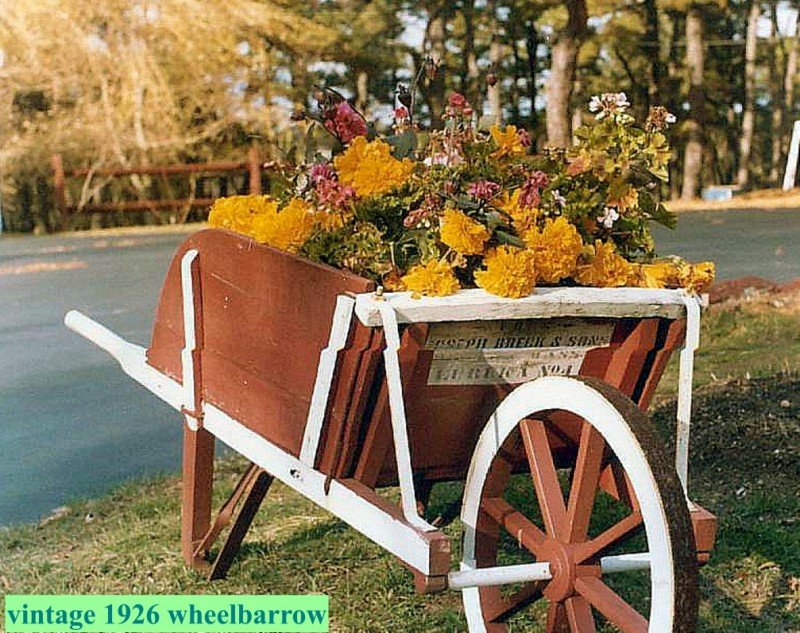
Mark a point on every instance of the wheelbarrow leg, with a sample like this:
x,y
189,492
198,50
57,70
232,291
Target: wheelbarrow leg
x,y
198,475
259,489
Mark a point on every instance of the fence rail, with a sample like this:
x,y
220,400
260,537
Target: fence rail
x,y
252,166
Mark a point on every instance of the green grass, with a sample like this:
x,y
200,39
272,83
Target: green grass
x,y
745,468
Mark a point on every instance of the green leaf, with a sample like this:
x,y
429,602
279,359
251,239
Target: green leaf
x,y
403,145
507,238
665,217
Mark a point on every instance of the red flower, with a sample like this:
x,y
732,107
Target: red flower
x,y
530,192
457,101
483,189
346,124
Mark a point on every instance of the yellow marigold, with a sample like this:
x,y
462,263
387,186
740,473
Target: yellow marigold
x,y
557,248
236,213
523,219
659,274
434,279
510,272
287,229
606,267
696,277
370,169
462,233
508,142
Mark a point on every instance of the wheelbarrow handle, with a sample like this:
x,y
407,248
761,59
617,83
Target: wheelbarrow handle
x,y
98,334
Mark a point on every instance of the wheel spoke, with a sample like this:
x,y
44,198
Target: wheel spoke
x,y
557,621
579,615
613,535
611,605
584,484
527,534
543,473
617,483
504,609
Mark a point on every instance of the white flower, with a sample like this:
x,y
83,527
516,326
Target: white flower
x,y
609,104
561,201
670,118
610,215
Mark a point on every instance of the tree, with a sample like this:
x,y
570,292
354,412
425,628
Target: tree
x,y
749,115
125,82
695,62
564,54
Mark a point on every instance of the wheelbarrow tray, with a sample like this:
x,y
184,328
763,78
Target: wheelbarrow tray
x,y
266,316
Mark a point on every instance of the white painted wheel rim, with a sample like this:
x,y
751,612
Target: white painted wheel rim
x,y
568,394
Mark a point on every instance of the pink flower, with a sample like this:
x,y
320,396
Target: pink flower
x,y
345,123
524,137
457,101
483,189
401,113
421,218
333,194
530,192
322,171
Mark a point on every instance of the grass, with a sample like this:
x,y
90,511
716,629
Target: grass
x,y
745,468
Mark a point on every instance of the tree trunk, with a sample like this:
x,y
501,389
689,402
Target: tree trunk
x,y
436,38
748,116
494,93
562,74
778,54
531,45
652,36
577,113
470,70
788,81
362,91
693,154
783,133
672,95
513,41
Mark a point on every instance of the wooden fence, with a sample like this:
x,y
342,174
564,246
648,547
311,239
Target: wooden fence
x,y
252,166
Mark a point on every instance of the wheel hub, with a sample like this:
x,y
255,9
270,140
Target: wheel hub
x,y
564,569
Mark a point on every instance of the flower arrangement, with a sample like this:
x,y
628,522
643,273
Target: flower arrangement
x,y
433,212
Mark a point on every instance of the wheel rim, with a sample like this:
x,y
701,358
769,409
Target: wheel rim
x,y
615,445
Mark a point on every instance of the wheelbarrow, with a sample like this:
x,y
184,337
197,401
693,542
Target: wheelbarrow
x,y
570,499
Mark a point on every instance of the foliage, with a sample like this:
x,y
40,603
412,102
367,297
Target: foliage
x,y
466,207
118,83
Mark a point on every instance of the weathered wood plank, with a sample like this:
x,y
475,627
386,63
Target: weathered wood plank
x,y
518,334
478,305
491,367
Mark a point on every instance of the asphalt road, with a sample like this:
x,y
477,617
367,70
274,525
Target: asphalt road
x,y
73,425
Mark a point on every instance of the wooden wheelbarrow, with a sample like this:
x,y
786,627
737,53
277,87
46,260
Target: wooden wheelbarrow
x,y
536,404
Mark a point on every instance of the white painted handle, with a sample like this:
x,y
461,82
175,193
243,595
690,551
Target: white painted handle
x,y
96,333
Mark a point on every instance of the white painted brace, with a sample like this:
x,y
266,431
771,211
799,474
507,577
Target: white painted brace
x,y
189,339
340,328
397,410
685,377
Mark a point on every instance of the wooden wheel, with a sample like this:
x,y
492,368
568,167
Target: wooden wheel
x,y
555,556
